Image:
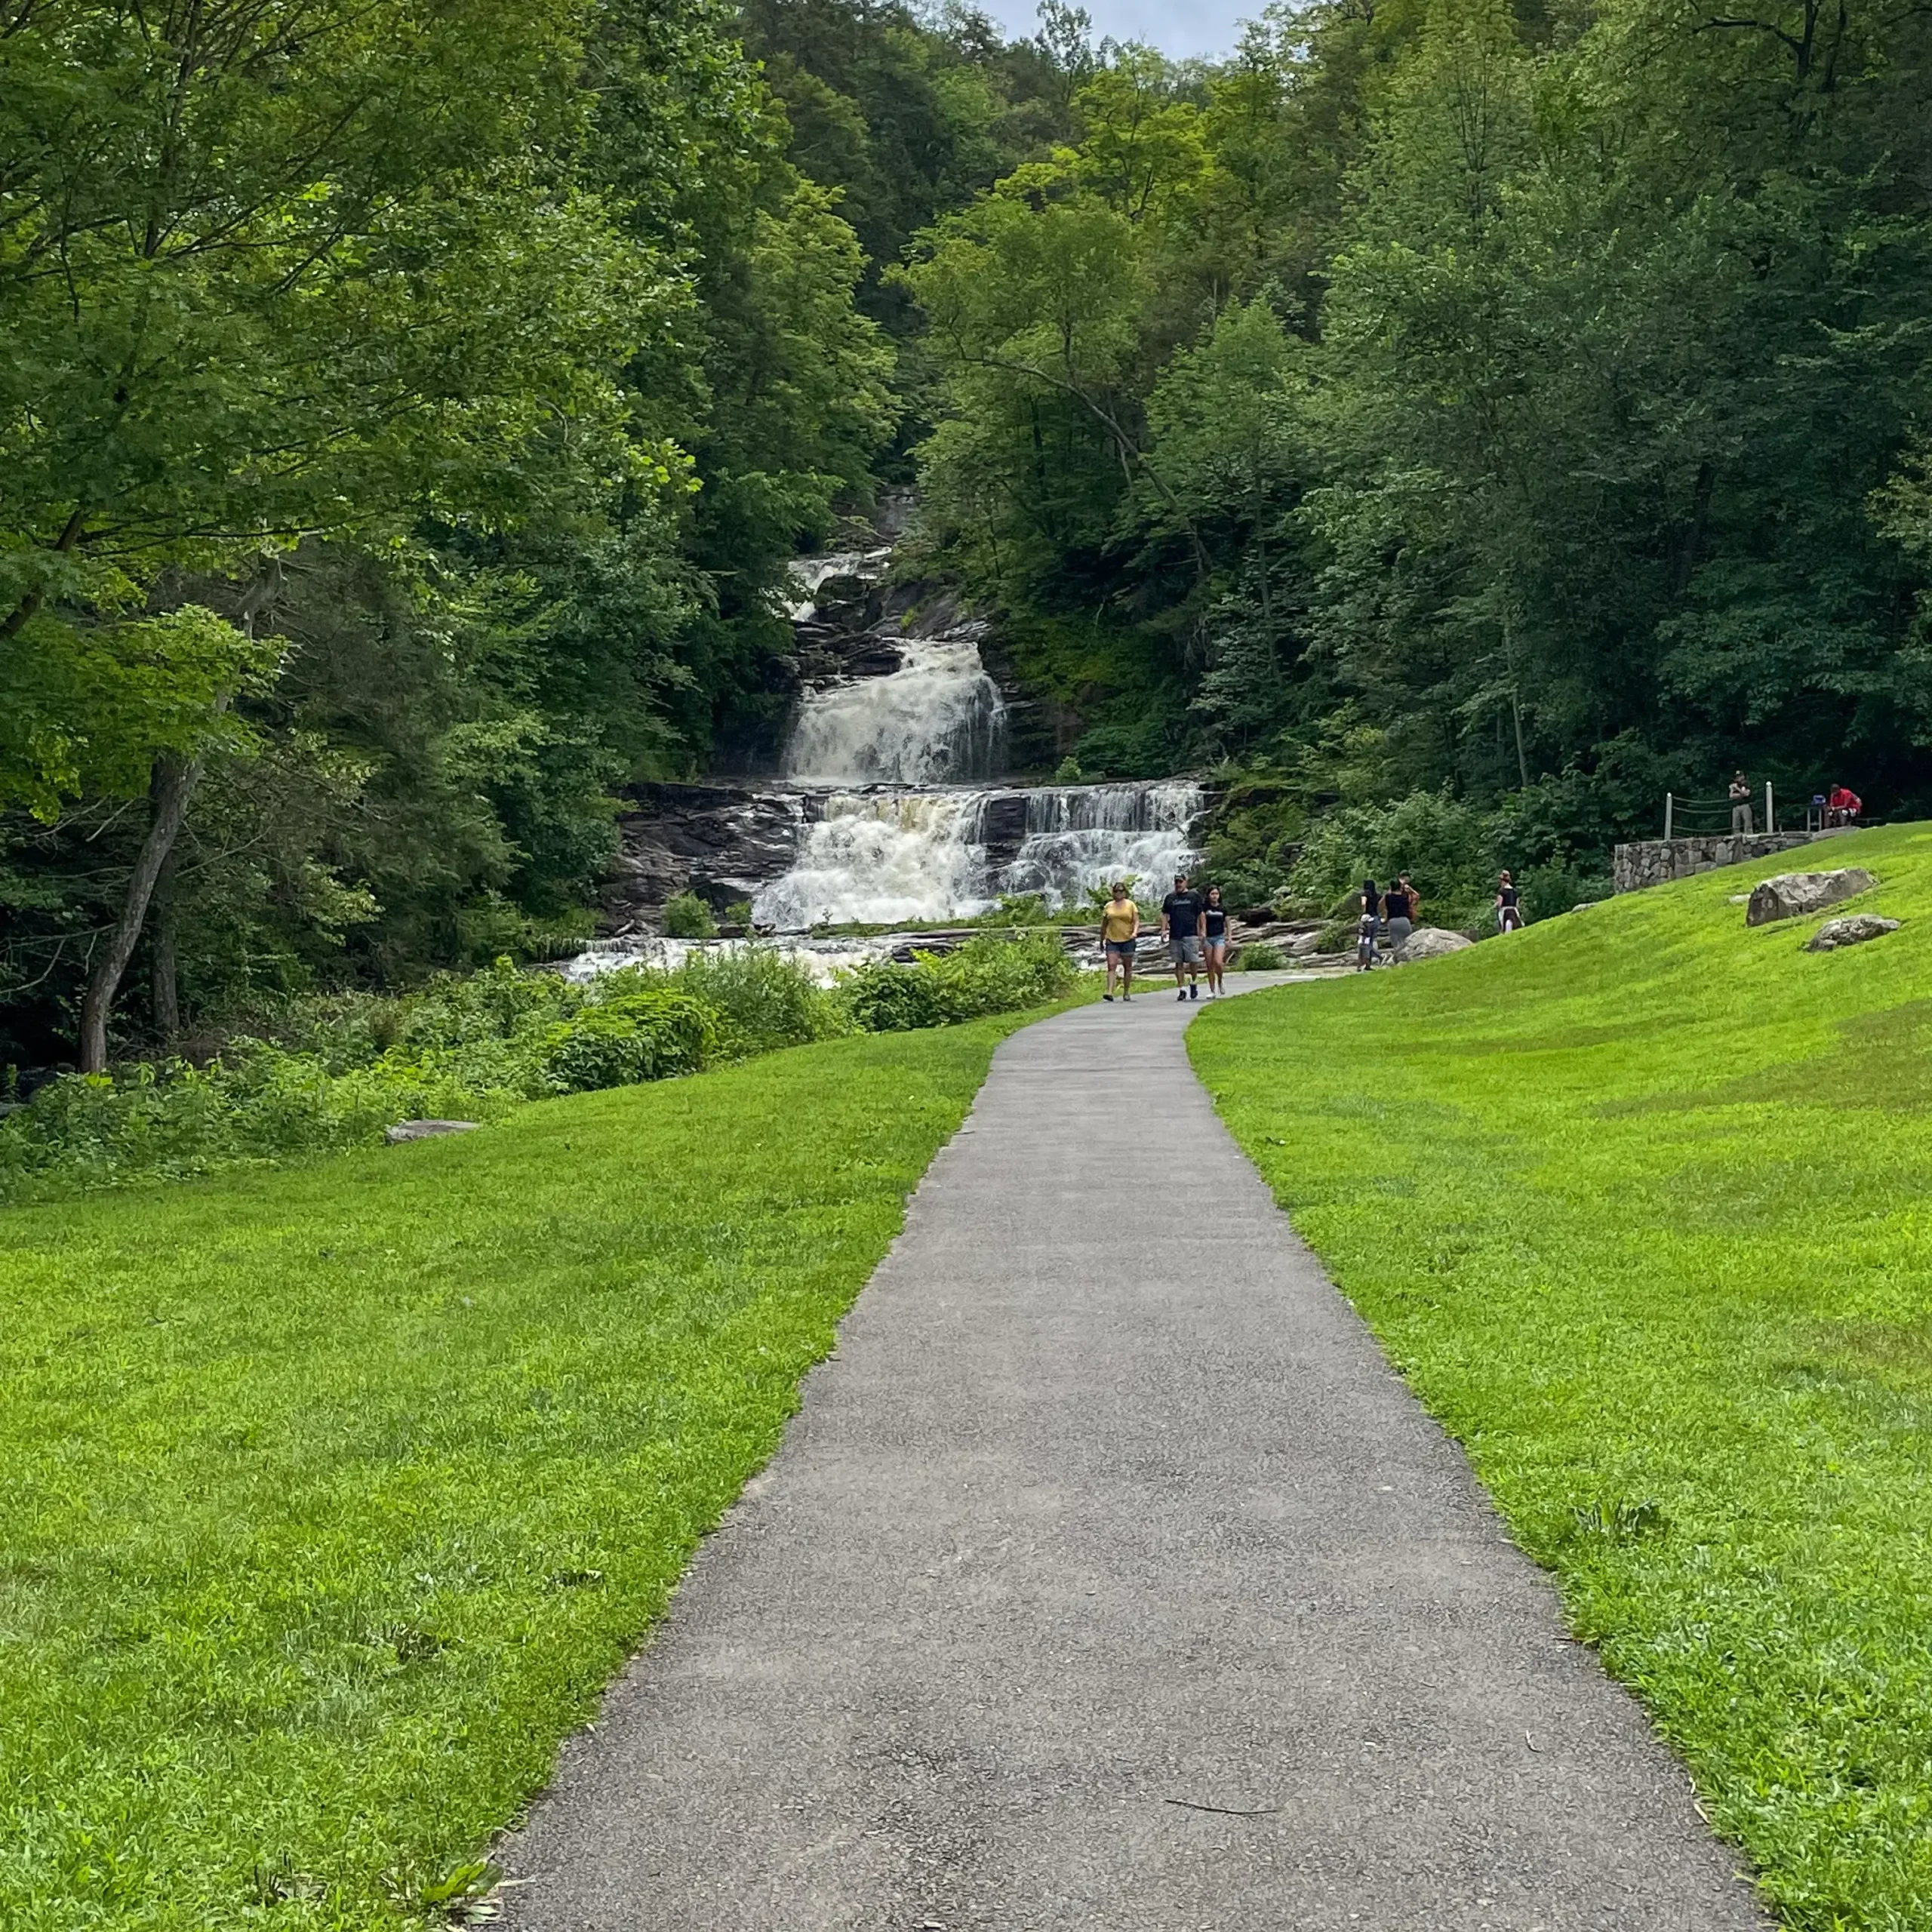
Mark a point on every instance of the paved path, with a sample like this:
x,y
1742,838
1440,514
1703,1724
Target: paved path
x,y
1107,1508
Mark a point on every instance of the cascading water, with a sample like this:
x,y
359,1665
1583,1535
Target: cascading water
x,y
891,781
938,717
886,858
1078,837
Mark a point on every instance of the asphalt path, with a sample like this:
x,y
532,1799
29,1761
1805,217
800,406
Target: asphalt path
x,y
1108,1580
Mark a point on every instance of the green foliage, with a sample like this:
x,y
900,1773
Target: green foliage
x,y
1665,1277
687,916
365,1480
333,1072
1260,957
988,974
1461,397
651,1034
1445,845
759,1000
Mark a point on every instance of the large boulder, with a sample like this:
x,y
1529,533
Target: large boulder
x,y
1430,942
1791,895
424,1129
1853,929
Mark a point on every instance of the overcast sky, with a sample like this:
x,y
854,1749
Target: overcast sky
x,y
1178,27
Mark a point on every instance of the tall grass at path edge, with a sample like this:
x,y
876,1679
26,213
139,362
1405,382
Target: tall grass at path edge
x,y
1637,1200
331,1500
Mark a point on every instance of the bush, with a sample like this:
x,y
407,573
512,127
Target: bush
x,y
1260,957
761,999
687,916
652,1033
993,974
1446,846
1338,936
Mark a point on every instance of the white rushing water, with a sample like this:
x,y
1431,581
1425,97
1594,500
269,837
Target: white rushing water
x,y
938,717
904,858
920,857
1081,836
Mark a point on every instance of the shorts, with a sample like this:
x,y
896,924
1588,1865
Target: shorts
x,y
1123,948
1217,941
1185,949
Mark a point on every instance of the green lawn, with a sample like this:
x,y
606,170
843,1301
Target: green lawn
x,y
1640,1202
330,1500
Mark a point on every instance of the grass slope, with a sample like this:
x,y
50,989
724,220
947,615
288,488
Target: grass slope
x,y
329,1501
1637,1202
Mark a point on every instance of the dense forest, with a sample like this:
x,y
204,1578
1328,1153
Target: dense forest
x,y
1448,424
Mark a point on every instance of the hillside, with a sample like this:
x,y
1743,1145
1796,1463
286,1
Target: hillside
x,y
1634,1200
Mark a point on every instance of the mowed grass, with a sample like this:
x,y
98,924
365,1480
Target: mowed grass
x,y
329,1500
1638,1201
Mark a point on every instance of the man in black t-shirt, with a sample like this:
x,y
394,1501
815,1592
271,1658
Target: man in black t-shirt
x,y
1183,919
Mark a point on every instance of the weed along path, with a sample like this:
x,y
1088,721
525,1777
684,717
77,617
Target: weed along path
x,y
1109,1581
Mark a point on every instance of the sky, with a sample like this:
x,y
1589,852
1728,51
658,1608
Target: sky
x,y
1178,27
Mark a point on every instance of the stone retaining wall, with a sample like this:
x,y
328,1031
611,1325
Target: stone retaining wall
x,y
1652,861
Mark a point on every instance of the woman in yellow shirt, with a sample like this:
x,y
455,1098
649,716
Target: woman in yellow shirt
x,y
1120,932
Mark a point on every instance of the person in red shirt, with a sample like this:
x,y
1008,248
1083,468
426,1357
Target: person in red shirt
x,y
1842,805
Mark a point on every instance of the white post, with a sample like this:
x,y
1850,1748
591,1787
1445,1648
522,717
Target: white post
x,y
1667,803
1770,822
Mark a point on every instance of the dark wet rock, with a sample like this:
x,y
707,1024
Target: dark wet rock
x,y
721,841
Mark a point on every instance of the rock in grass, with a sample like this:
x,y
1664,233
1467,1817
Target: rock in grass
x,y
1854,929
1430,942
1791,895
424,1129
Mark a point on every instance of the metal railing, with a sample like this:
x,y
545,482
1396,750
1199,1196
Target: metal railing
x,y
1710,818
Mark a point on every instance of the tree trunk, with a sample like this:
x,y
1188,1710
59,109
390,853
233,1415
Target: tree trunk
x,y
165,983
173,784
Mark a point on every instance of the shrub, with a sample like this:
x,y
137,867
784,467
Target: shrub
x,y
1261,957
761,999
687,916
649,1034
1339,935
993,974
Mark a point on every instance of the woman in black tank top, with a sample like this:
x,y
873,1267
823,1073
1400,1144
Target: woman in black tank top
x,y
1215,916
1509,911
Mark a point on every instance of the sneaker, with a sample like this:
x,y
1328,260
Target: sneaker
x,y
1108,998
1181,994
1194,992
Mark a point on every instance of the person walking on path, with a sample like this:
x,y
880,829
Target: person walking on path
x,y
1508,909
1365,942
1740,806
1120,935
1183,919
1214,937
1398,904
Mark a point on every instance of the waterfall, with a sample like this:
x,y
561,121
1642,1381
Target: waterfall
x,y
1078,837
920,857
891,815
892,858
938,717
